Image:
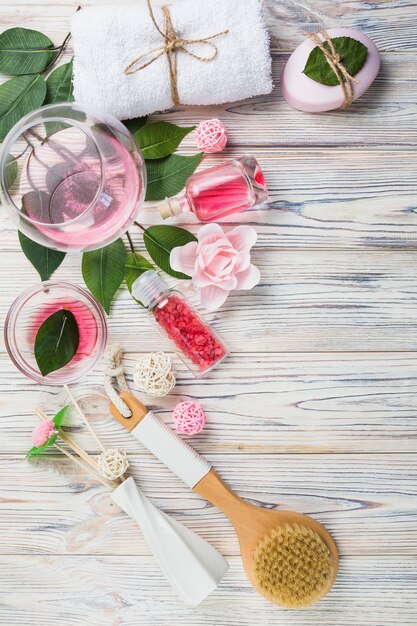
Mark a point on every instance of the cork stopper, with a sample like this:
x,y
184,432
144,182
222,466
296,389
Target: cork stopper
x,y
169,208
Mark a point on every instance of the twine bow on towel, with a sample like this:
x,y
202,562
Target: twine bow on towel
x,y
333,59
172,43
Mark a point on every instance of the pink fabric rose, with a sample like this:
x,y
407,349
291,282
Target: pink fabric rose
x,y
42,432
218,263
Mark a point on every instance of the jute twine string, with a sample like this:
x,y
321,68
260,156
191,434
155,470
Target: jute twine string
x,y
172,43
333,59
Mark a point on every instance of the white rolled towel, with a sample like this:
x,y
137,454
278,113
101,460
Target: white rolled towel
x,y
108,38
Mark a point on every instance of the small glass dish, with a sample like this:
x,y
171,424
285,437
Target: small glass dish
x,y
30,310
71,179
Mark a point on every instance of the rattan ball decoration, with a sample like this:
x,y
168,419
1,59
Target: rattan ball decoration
x,y
154,374
112,463
189,418
211,136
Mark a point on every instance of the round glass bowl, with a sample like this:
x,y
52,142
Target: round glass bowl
x,y
30,310
71,179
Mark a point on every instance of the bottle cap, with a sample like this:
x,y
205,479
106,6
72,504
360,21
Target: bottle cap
x,y
169,207
148,287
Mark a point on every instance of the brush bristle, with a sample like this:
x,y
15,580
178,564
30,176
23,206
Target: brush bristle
x,y
293,566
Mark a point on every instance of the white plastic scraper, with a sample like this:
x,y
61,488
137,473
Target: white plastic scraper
x,y
192,566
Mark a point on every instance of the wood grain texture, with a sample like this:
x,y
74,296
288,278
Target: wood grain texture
x,y
367,501
306,301
113,591
274,403
316,408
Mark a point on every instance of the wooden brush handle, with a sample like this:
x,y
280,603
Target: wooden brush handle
x,y
162,441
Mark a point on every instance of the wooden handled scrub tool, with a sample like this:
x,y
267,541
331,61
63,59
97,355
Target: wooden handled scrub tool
x,y
289,558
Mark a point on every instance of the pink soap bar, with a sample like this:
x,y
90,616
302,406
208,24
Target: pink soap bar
x,y
305,94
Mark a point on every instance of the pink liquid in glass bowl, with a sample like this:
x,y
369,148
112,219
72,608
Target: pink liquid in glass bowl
x,y
31,309
71,179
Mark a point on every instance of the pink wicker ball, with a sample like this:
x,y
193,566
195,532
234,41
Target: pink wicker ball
x,y
189,418
211,136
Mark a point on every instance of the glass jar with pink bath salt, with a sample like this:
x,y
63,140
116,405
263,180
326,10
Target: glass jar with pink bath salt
x,y
197,345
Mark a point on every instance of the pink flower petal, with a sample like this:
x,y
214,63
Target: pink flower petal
x,y
182,258
248,278
212,297
209,229
242,237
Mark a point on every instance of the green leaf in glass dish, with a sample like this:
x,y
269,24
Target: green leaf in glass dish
x,y
44,260
352,54
104,271
25,51
168,176
56,341
160,240
19,96
160,139
59,85
11,171
135,265
135,124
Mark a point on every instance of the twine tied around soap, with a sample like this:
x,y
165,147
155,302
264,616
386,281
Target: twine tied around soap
x,y
172,44
333,59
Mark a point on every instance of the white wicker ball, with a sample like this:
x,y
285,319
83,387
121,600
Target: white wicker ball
x,y
112,463
154,374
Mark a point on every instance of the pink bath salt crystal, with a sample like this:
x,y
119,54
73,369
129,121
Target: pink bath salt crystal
x,y
42,432
189,333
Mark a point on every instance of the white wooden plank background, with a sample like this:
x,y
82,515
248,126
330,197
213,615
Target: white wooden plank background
x,y
315,409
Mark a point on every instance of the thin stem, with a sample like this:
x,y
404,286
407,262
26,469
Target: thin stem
x,y
83,417
140,226
129,238
61,49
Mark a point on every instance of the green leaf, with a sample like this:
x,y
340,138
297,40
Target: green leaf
x,y
60,416
160,139
11,171
168,176
44,260
352,53
135,124
59,85
19,96
56,341
104,270
160,240
135,265
25,51
34,451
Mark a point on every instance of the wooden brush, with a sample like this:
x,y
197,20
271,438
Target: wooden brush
x,y
289,558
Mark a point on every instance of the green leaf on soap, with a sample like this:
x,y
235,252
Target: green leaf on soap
x,y
25,51
59,85
160,240
104,270
352,53
56,341
166,177
160,139
44,260
19,96
135,265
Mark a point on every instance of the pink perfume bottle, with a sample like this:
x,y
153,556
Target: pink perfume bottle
x,y
220,191
197,345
